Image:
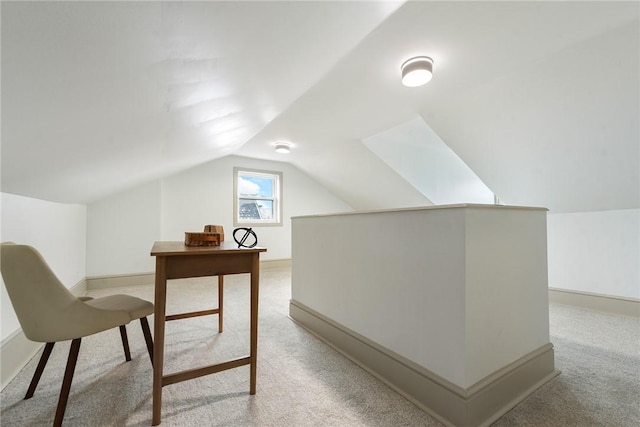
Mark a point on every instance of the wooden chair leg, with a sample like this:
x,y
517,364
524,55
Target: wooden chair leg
x,y
125,342
147,337
66,382
38,373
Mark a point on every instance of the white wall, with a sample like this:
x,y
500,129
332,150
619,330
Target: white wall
x,y
122,228
461,291
596,252
57,230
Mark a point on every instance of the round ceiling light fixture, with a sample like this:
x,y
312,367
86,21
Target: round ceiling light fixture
x,y
417,71
283,147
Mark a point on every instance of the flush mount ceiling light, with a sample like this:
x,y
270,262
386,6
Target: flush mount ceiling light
x,y
283,147
417,71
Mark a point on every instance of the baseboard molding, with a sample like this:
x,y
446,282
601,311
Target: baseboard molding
x,y
120,281
16,351
479,405
126,280
80,288
273,264
599,302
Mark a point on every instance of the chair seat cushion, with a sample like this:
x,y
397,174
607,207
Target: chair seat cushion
x,y
136,307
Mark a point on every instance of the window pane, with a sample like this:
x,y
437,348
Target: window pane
x,y
254,186
257,196
256,209
266,209
248,210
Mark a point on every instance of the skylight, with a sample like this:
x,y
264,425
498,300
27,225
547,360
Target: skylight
x,y
418,154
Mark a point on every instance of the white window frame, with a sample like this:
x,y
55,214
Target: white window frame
x,y
276,199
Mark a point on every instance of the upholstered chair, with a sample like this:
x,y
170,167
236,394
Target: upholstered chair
x,y
49,313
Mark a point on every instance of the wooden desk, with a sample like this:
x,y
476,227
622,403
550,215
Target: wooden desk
x,y
174,260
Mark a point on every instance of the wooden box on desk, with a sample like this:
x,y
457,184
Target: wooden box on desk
x,y
215,229
201,239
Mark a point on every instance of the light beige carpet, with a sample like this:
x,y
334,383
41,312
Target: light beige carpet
x,y
302,381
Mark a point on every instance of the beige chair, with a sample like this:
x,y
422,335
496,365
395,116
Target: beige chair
x,y
49,313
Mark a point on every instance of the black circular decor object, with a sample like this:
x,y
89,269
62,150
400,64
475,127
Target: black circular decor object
x,y
249,235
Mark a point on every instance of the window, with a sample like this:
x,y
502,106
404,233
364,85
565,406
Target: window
x,y
258,197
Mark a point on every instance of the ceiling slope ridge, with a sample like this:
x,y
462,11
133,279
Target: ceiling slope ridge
x,y
330,70
238,151
170,130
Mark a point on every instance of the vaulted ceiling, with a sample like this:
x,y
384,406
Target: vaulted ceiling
x,y
540,99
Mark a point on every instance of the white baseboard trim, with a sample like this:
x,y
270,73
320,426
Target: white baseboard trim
x,y
126,280
80,288
272,264
479,405
16,351
120,280
599,302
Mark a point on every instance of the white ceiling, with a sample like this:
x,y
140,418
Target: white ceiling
x,y
540,99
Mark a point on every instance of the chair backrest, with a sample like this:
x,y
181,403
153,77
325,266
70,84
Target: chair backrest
x,y
37,296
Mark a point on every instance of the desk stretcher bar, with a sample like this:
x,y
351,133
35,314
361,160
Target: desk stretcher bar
x,y
190,374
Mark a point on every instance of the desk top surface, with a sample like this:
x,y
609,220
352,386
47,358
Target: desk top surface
x,y
179,248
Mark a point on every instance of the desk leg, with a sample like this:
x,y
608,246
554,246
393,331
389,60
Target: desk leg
x,y
220,292
255,277
159,312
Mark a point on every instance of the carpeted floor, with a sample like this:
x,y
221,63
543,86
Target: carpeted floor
x,y
302,381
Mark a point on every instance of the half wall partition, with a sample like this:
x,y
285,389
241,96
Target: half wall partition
x,y
446,304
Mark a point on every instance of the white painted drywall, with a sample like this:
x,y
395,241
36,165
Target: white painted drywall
x,y
57,231
462,291
204,195
597,252
507,295
122,228
396,278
